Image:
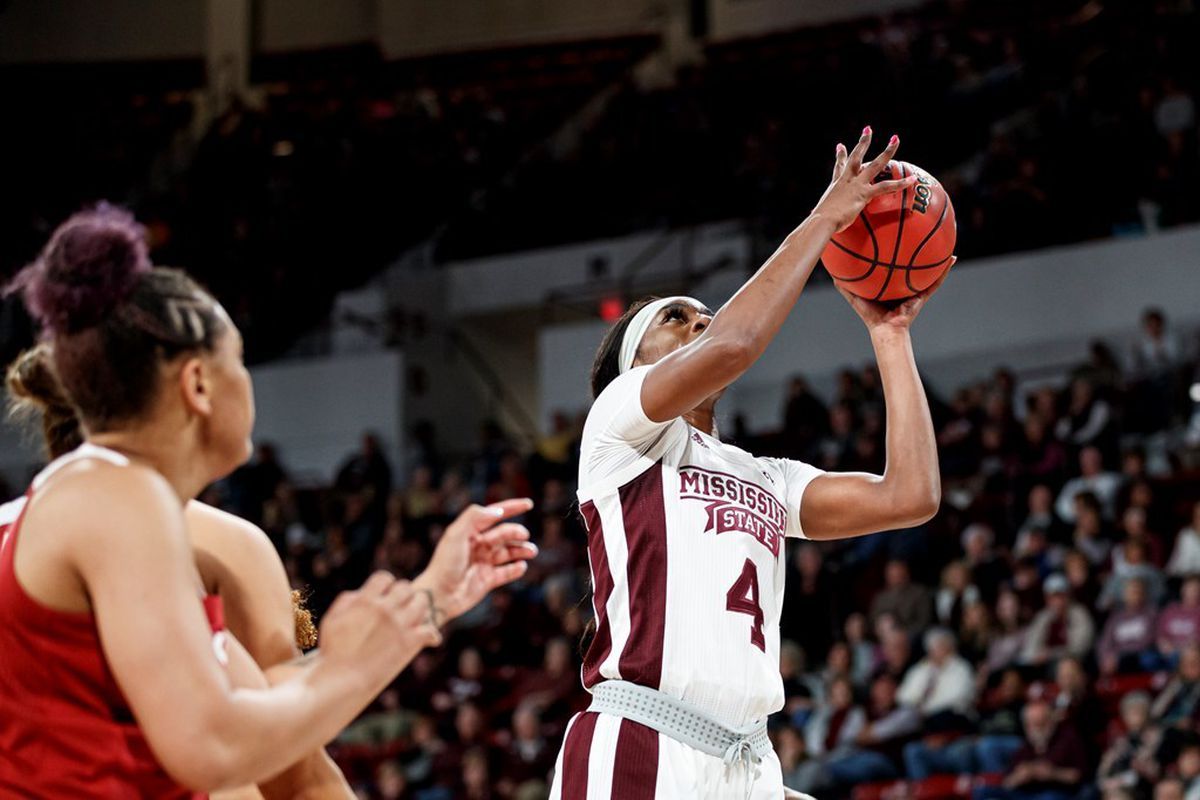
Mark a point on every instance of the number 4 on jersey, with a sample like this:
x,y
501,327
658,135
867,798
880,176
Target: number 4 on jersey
x,y
742,598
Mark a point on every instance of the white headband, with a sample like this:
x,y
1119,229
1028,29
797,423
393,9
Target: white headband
x,y
640,324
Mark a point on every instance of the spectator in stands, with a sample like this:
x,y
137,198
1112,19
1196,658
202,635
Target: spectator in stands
x,y
1127,644
975,633
808,612
909,603
1178,704
1041,517
1156,355
987,570
895,650
1089,420
988,750
1062,628
830,733
1179,623
367,469
1089,536
529,757
955,593
1009,639
1078,571
941,685
1050,765
876,749
1185,558
1129,763
1129,562
390,782
1092,478
862,652
805,419
1187,769
1074,698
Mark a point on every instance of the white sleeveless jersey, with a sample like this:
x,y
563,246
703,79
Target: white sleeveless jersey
x,y
686,545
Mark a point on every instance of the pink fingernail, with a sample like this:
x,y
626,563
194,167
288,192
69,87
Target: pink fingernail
x,y
867,131
894,139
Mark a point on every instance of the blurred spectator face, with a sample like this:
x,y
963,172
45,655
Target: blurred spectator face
x,y
791,659
1134,521
1134,594
789,745
1039,722
1058,602
1045,404
1070,677
475,772
1133,463
883,693
1087,516
1189,763
1189,593
1135,711
1041,499
470,664
975,617
558,656
1189,663
839,659
1135,552
841,695
1008,609
389,779
808,560
992,438
885,626
1035,429
841,420
856,627
468,722
552,530
955,576
573,622
977,541
1153,324
1168,789
1081,394
525,724
1090,462
896,574
424,731
1011,686
896,650
1076,568
940,646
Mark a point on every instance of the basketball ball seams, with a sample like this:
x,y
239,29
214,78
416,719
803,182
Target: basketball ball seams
x,y
916,251
860,257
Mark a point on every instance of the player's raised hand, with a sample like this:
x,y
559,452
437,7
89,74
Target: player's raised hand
x,y
385,623
853,184
896,314
477,553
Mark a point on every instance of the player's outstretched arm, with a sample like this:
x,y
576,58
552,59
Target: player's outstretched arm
x,y
838,505
743,327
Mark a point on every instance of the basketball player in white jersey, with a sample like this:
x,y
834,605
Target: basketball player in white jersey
x,y
686,534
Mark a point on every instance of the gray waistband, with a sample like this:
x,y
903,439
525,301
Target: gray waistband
x,y
681,721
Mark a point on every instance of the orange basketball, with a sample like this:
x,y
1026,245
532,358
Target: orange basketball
x,y
900,244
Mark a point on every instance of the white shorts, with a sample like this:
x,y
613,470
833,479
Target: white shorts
x,y
608,758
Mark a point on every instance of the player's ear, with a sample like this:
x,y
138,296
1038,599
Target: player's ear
x,y
195,387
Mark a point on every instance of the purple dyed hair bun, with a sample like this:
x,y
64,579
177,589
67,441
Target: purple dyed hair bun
x,y
90,265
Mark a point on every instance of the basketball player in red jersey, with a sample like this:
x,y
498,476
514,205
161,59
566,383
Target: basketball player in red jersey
x,y
237,563
112,683
685,533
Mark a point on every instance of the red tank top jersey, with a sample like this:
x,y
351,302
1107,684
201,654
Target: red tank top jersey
x,y
66,729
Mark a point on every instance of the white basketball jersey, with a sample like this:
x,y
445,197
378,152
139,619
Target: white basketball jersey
x,y
686,545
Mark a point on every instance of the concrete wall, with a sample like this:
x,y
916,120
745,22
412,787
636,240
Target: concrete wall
x,y
314,410
732,19
1028,311
45,31
312,24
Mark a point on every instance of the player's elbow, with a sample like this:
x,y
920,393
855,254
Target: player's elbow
x,y
208,767
919,504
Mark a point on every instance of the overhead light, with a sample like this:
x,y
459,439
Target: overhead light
x,y
1195,392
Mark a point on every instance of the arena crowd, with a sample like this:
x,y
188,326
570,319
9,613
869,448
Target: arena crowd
x,y
1045,626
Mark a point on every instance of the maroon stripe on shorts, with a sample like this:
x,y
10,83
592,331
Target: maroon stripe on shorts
x,y
645,520
576,751
602,586
635,767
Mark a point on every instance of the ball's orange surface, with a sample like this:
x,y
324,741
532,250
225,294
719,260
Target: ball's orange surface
x,y
900,244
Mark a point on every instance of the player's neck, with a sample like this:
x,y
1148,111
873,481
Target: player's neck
x,y
703,417
162,454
